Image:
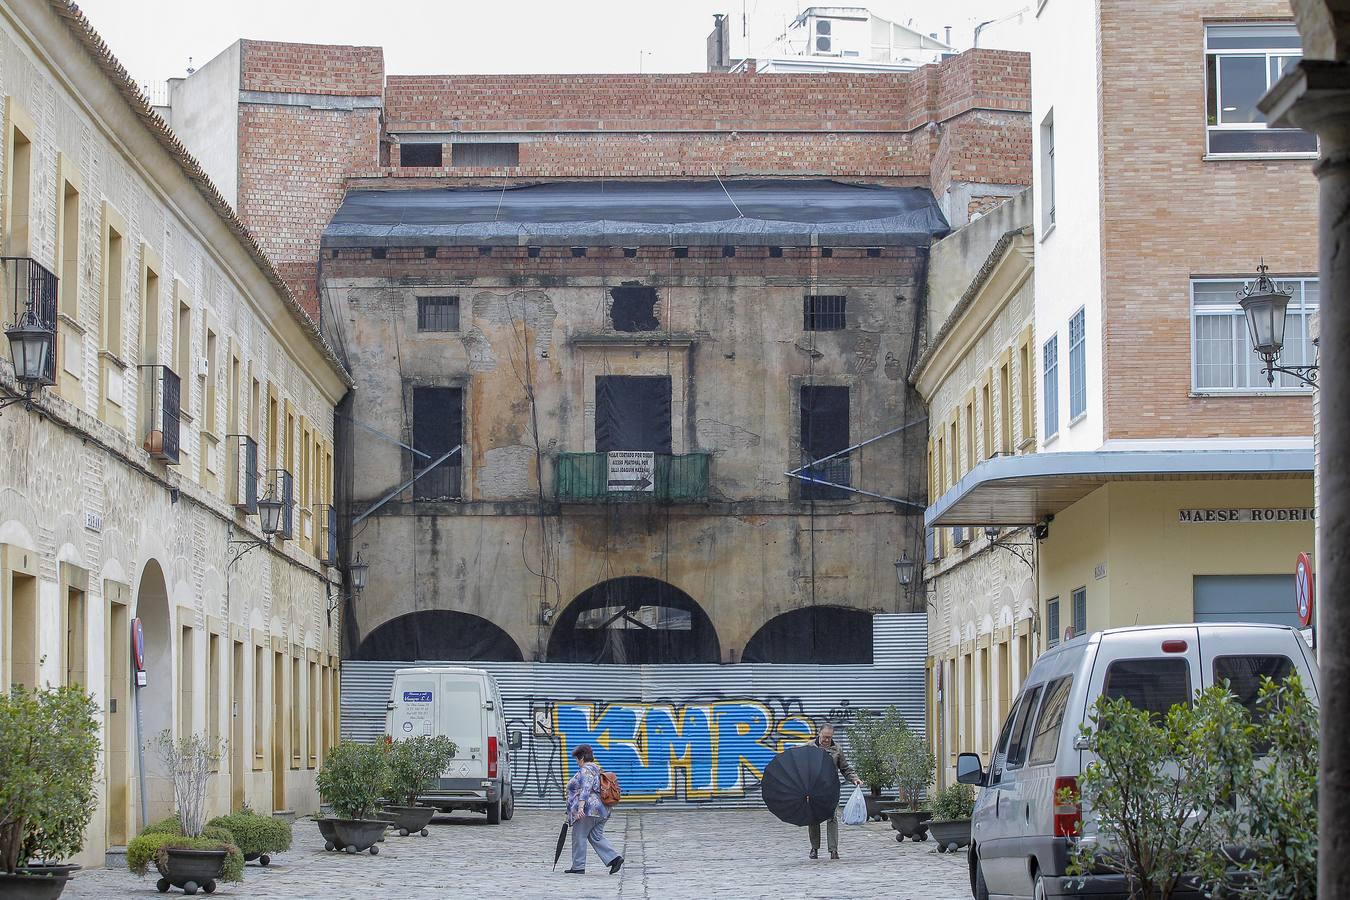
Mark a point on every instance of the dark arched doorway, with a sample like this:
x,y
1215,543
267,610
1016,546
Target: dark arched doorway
x,y
634,621
833,635
155,701
439,634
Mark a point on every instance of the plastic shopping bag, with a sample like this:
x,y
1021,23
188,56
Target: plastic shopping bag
x,y
855,812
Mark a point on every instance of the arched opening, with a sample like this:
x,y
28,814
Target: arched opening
x,y
155,700
634,621
439,634
829,635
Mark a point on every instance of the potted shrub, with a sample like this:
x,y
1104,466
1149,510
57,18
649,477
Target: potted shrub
x,y
414,766
257,837
351,781
950,824
914,768
867,740
48,760
188,853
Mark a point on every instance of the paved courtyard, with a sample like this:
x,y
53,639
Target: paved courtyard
x,y
668,855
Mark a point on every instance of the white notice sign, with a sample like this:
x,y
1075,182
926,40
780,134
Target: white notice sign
x,y
632,470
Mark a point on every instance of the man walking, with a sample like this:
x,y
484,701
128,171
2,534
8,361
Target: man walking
x,y
825,741
587,814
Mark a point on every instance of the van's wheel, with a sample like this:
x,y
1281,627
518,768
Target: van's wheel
x,y
508,806
494,812
978,887
1039,892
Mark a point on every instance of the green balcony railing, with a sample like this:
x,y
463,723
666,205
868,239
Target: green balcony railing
x,y
584,478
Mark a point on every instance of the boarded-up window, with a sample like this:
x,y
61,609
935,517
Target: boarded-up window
x,y
824,432
633,308
438,426
632,412
491,155
438,314
419,155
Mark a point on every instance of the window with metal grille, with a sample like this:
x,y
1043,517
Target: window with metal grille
x,y
438,314
824,432
437,427
1080,612
491,155
1077,366
419,155
1052,622
823,312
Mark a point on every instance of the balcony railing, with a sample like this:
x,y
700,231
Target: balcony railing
x,y
584,478
243,472
325,548
27,280
835,471
282,486
160,393
440,483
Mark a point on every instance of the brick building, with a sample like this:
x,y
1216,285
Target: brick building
x,y
1172,481
722,274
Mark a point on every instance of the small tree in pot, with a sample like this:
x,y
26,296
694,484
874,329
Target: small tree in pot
x,y
913,767
951,817
48,760
352,780
414,766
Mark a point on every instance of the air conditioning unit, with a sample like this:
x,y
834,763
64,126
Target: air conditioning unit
x,y
823,42
203,366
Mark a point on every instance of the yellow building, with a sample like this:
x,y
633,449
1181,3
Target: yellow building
x,y
185,382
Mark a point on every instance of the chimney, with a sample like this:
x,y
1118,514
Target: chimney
x,y
719,44
948,30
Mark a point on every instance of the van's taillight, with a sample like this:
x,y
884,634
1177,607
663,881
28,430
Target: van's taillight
x,y
1174,646
492,757
1068,808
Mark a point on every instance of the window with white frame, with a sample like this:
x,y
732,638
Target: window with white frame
x,y
1050,367
1222,354
1077,366
1242,62
1048,172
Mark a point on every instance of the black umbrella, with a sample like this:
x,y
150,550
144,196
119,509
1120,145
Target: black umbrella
x,y
562,839
801,786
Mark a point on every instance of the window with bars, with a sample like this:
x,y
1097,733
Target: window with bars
x,y
438,314
824,413
1050,367
1080,611
1052,622
1077,366
437,427
490,154
1242,62
823,312
1222,357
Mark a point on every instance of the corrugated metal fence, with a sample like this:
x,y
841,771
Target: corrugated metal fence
x,y
698,734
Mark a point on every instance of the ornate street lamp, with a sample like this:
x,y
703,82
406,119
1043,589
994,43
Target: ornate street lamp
x,y
904,568
269,514
31,345
1266,305
357,571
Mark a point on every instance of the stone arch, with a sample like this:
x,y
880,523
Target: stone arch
x,y
155,701
634,620
439,634
814,634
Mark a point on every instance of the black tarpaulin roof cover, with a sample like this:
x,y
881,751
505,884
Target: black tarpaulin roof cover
x,y
773,212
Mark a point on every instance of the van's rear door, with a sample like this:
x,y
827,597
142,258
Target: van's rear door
x,y
1240,655
413,700
460,718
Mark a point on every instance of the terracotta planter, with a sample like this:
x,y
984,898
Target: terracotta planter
x,y
359,834
35,883
951,835
912,824
191,870
411,819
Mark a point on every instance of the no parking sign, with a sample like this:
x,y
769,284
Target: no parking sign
x,y
1303,589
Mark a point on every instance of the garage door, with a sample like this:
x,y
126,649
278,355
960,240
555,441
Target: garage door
x,y
1245,598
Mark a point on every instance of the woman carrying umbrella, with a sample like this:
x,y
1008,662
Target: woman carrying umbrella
x,y
825,741
587,814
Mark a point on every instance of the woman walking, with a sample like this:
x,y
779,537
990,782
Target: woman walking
x,y
587,814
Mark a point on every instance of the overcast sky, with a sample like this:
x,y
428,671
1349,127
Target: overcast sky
x,y
155,38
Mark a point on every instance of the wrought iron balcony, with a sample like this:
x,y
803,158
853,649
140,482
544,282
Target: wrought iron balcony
x,y
326,548
282,487
585,478
243,452
30,285
159,404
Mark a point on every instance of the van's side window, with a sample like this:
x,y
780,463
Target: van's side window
x,y
1001,748
1021,732
1243,675
1154,685
1045,738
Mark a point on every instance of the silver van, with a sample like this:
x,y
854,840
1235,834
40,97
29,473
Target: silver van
x,y
1019,835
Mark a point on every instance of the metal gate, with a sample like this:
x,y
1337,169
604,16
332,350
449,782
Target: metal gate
x,y
683,734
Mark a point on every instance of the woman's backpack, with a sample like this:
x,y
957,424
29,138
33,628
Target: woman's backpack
x,y
609,789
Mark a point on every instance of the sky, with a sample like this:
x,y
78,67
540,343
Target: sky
x,y
155,38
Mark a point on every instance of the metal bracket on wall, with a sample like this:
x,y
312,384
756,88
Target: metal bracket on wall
x,y
1025,551
796,473
391,439
405,485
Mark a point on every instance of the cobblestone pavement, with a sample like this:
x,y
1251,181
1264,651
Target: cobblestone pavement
x,y
678,855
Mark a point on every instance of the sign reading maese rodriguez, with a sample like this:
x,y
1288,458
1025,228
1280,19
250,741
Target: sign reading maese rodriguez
x,y
1259,514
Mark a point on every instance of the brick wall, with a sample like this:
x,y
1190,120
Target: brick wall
x,y
311,68
1170,214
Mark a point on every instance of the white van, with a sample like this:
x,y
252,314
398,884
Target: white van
x,y
1019,838
464,705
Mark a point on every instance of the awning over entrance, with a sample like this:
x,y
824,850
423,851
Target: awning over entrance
x,y
1023,490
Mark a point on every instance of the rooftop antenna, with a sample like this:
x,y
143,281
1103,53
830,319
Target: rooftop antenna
x,y
190,69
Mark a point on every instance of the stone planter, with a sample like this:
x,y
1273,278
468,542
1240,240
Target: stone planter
x,y
356,835
264,859
912,824
191,870
411,819
951,835
329,834
35,883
